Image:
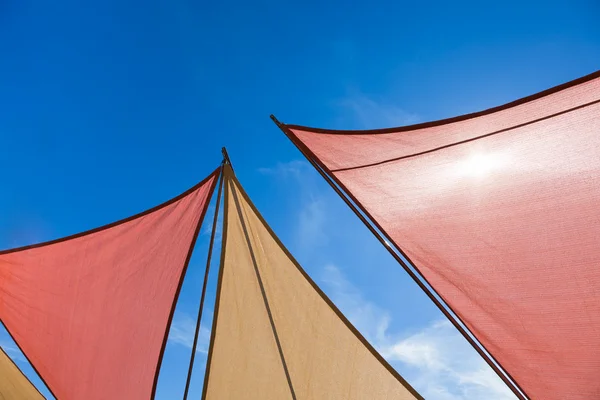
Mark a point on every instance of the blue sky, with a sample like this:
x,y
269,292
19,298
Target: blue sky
x,y
110,107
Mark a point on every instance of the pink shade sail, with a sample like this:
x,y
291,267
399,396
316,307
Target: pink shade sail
x,y
91,311
500,212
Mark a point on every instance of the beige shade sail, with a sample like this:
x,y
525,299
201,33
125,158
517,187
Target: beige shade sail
x,y
14,385
276,335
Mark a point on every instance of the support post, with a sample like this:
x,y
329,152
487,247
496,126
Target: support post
x,y
204,285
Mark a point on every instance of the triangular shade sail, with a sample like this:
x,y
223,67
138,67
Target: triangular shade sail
x,y
500,212
13,384
90,312
325,357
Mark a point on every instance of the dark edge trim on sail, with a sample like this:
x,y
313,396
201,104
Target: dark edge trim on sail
x,y
113,224
416,275
262,287
330,303
485,135
213,329
17,367
204,286
459,118
181,279
29,361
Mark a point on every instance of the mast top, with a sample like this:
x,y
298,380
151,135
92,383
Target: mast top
x,y
226,159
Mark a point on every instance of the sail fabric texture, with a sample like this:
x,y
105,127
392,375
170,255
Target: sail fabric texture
x,y
325,356
13,384
500,212
90,312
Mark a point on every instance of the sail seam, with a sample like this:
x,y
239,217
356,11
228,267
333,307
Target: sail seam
x,y
374,164
264,294
328,301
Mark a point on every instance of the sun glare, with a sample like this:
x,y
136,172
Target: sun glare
x,y
480,165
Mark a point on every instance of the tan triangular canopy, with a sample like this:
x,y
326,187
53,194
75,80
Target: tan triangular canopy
x,y
276,335
14,385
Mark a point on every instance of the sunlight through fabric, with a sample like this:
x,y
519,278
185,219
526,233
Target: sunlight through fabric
x,y
480,165
90,312
500,212
305,348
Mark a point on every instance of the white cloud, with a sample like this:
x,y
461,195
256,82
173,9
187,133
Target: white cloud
x,y
435,359
439,354
182,332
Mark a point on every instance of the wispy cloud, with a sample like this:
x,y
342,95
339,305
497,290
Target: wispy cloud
x,y
311,216
12,351
182,333
360,111
367,317
311,220
435,359
292,169
445,366
207,224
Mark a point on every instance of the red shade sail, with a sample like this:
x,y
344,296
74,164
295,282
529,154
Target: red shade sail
x,y
91,311
500,212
